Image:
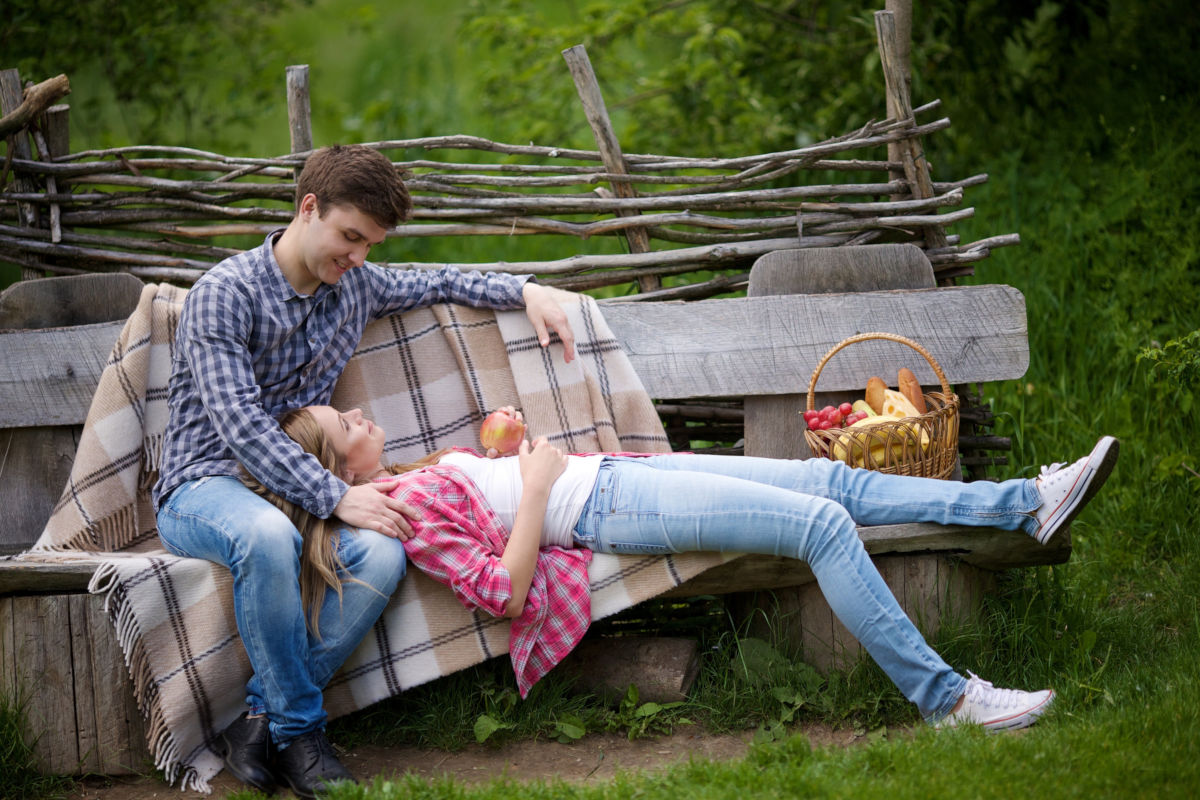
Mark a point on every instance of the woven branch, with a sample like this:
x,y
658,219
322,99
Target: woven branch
x,y
154,210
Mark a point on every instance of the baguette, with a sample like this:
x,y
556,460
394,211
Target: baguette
x,y
911,389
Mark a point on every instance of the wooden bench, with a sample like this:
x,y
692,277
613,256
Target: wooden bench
x,y
59,649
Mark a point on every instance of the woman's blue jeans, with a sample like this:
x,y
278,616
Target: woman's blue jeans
x,y
220,520
806,510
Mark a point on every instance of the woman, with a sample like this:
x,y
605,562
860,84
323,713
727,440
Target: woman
x,y
513,536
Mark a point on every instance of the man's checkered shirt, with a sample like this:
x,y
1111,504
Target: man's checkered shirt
x,y
249,348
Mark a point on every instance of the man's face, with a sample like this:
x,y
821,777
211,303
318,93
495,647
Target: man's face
x,y
336,241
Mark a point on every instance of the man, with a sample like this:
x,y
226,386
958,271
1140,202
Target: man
x,y
263,332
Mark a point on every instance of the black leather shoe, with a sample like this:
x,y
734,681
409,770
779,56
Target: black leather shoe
x,y
247,749
308,765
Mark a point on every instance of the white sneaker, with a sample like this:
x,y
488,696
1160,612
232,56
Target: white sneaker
x,y
998,709
1066,490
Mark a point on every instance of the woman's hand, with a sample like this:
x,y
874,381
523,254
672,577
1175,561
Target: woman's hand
x,y
541,464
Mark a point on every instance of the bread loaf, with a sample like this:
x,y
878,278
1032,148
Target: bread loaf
x,y
911,389
875,389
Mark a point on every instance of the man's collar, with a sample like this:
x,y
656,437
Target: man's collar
x,y
278,283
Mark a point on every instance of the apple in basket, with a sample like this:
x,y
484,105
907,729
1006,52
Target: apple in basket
x,y
502,431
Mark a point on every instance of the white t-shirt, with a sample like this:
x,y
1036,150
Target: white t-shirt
x,y
499,479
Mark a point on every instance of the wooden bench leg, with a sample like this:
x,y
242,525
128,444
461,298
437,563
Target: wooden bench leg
x,y
59,660
932,589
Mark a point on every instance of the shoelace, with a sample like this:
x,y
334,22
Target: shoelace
x,y
983,693
1049,474
315,748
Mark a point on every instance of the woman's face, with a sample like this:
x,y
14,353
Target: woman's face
x,y
355,438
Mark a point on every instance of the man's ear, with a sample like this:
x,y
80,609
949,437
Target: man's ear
x,y
308,206
348,476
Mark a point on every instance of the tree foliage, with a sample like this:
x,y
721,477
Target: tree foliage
x,y
159,64
708,76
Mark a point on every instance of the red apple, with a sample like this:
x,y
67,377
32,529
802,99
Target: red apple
x,y
501,431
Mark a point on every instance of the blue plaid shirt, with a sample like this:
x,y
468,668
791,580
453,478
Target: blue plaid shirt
x,y
249,348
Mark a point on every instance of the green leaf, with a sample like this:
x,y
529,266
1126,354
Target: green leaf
x,y
569,729
486,725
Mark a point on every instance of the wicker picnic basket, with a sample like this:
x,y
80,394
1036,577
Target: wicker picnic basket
x,y
925,446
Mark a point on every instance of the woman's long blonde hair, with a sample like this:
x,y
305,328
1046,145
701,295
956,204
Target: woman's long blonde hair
x,y
319,560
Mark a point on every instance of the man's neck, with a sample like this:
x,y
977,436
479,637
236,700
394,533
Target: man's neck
x,y
291,264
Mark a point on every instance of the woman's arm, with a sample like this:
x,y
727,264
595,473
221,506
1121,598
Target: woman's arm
x,y
541,465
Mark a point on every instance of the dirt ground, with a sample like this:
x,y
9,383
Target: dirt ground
x,y
596,757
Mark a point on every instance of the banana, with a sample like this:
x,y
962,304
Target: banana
x,y
863,405
852,446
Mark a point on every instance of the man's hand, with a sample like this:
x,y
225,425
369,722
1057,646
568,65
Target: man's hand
x,y
543,306
368,506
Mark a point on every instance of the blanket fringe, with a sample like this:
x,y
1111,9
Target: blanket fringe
x,y
106,535
164,747
151,457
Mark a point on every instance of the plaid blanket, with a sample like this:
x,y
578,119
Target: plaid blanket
x,y
428,377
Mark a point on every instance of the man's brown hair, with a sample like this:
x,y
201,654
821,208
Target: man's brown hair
x,y
357,176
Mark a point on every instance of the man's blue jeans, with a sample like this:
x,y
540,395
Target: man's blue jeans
x,y
220,520
806,510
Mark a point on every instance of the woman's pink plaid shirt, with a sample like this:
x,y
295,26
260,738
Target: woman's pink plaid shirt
x,y
458,541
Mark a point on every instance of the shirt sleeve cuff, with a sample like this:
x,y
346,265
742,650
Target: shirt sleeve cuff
x,y
328,496
495,589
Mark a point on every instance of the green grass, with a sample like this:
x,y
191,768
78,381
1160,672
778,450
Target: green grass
x,y
19,776
1140,743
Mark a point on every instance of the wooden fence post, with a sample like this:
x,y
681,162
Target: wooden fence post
x,y
610,149
299,110
912,155
11,92
901,11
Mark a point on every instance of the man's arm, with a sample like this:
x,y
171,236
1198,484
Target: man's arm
x,y
213,338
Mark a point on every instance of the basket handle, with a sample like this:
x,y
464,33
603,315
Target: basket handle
x,y
863,337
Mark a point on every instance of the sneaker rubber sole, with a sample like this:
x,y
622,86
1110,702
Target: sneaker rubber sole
x,y
1021,720
1099,465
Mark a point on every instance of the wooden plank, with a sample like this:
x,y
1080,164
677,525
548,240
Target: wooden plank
x,y
75,300
871,267
803,619
47,377
8,654
711,348
45,675
22,576
773,427
987,548
36,463
770,345
59,653
89,736
121,747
